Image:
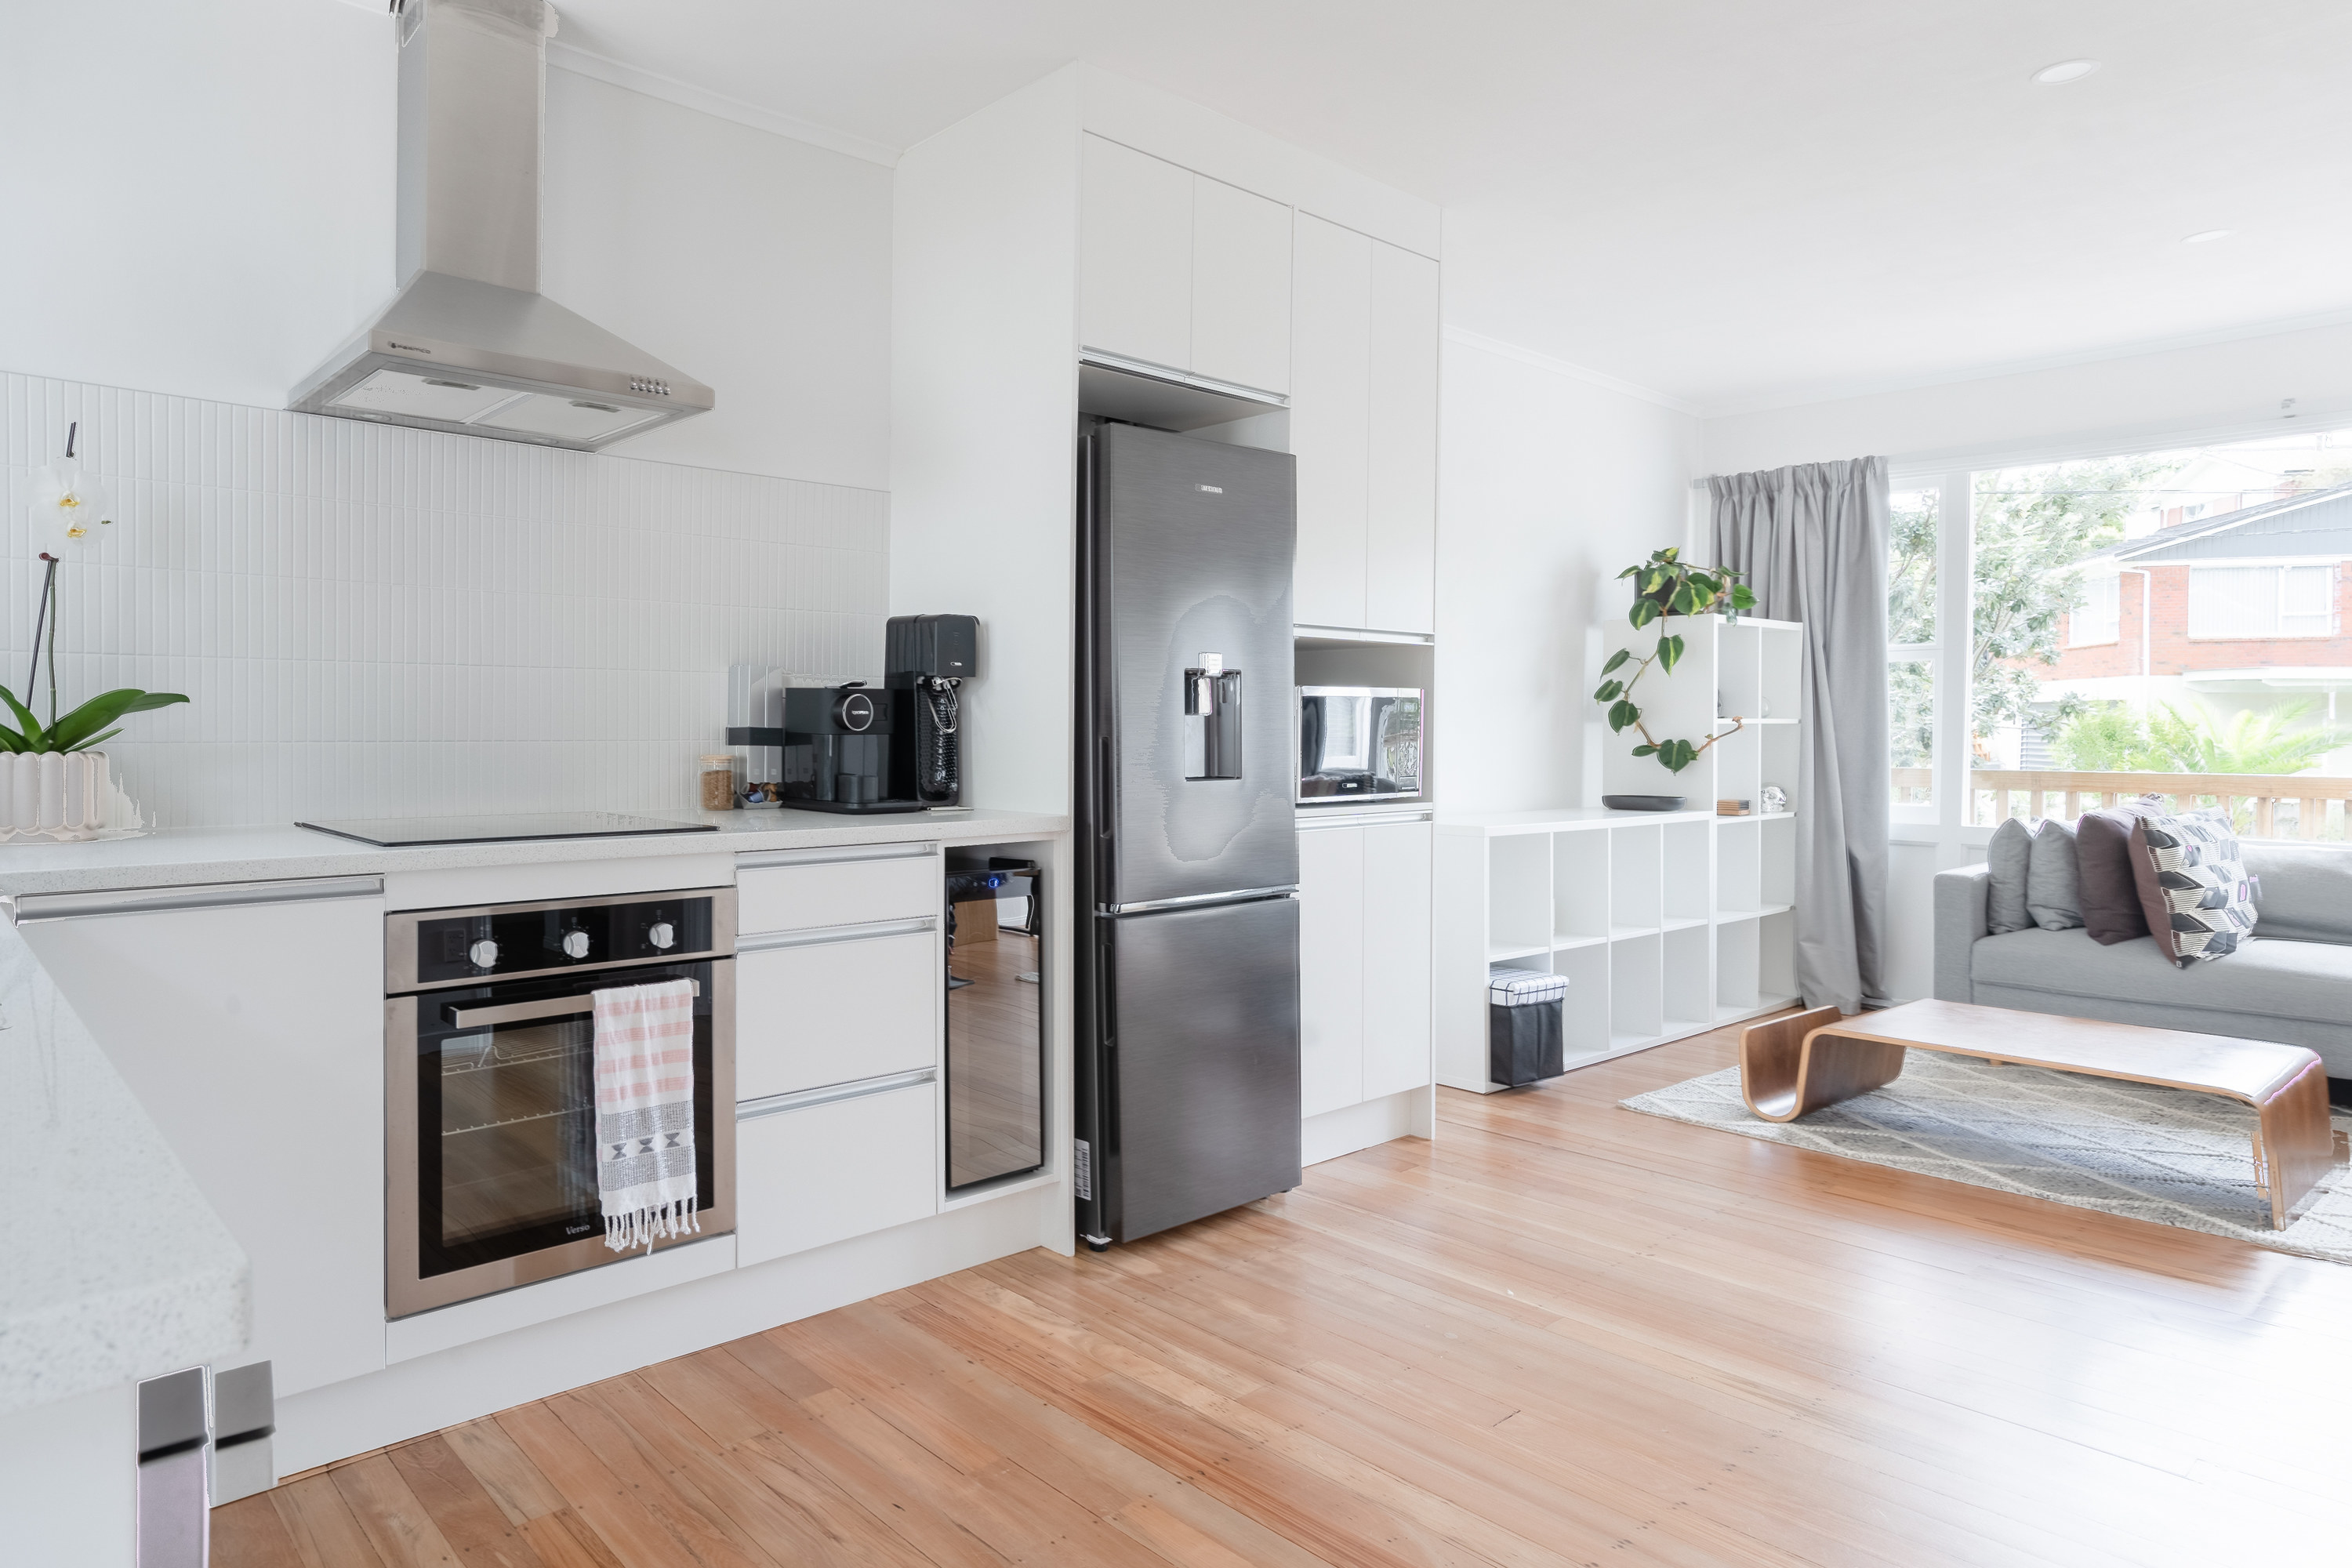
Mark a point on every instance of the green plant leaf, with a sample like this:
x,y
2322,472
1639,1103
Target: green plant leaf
x,y
1620,657
1743,597
1675,754
1627,572
94,740
1643,751
1643,612
1670,552
1684,602
1621,713
91,717
1609,692
151,701
36,737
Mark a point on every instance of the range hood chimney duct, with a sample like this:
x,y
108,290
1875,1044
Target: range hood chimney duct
x,y
469,344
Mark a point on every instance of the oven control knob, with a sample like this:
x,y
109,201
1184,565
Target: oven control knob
x,y
663,935
485,954
575,945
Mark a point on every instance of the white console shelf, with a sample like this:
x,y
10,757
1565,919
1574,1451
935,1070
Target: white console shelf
x,y
1665,923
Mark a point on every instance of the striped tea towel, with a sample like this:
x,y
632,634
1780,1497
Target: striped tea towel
x,y
644,1112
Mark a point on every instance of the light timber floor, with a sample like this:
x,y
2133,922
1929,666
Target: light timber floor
x,y
1566,1334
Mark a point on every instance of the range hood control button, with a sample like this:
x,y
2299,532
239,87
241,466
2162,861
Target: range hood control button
x,y
485,954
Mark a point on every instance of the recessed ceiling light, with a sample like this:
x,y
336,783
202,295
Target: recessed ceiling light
x,y
2205,236
2064,72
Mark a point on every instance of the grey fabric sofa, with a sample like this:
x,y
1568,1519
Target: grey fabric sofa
x,y
2292,981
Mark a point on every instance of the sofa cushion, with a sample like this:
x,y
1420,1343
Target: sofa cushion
x,y
2267,978
2110,898
2010,856
2306,890
2193,885
2053,879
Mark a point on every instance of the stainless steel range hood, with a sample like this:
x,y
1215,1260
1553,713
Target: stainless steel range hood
x,y
469,344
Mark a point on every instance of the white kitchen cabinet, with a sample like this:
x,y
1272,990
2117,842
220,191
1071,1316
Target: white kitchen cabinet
x,y
1364,962
253,1034
802,890
1240,286
1180,271
1330,429
1397,1016
831,1007
1330,969
825,1172
1135,269
1363,424
1401,494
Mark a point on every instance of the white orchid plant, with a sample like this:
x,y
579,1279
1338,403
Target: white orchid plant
x,y
70,511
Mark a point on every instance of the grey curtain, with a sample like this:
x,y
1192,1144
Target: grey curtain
x,y
1812,539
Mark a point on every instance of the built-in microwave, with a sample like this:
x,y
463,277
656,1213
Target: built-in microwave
x,y
1358,743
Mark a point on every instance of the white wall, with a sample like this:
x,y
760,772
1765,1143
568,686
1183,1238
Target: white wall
x,y
200,201
2103,405
985,348
1549,485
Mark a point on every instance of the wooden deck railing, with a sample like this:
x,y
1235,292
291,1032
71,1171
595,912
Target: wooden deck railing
x,y
2264,805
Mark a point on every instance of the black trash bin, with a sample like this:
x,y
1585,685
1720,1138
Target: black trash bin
x,y
1523,1025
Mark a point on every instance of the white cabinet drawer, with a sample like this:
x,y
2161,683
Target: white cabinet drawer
x,y
834,1010
825,1173
888,884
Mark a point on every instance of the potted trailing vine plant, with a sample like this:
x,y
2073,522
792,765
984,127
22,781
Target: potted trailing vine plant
x,y
1665,584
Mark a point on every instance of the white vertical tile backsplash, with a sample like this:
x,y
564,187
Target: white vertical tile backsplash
x,y
376,621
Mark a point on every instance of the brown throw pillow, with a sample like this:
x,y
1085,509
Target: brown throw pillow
x,y
2111,906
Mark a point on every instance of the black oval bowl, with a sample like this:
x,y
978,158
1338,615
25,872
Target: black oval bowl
x,y
1643,802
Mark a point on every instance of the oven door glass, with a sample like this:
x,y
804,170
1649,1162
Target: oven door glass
x,y
506,1120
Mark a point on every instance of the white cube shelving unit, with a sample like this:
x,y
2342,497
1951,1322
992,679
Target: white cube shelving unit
x,y
1665,923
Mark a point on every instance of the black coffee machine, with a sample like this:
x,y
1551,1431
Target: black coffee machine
x,y
896,747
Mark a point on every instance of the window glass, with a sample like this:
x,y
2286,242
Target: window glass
x,y
2161,622
1911,637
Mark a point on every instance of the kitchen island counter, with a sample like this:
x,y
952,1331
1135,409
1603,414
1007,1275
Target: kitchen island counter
x,y
117,1269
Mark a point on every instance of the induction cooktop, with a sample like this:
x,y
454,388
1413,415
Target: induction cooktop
x,y
403,832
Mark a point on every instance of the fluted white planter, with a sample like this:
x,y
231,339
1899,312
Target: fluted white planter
x,y
62,795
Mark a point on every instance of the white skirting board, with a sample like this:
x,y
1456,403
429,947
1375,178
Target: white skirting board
x,y
1410,1113
464,1382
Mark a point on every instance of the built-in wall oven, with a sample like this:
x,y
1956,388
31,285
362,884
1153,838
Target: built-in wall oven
x,y
490,1085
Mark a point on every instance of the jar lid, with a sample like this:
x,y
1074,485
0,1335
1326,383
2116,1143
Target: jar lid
x,y
718,757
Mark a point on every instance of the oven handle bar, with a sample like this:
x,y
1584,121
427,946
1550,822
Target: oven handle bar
x,y
768,941
523,1012
29,909
857,1088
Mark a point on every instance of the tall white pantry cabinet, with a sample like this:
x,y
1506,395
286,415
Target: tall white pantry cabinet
x,y
1334,332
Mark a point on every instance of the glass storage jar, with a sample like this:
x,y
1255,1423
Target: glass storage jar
x,y
717,772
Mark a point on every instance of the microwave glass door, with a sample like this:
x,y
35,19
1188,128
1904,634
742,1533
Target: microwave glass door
x,y
504,1145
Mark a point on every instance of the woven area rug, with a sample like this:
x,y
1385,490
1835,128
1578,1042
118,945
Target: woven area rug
x,y
2129,1149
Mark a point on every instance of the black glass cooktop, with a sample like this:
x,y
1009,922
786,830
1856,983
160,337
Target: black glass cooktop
x,y
402,832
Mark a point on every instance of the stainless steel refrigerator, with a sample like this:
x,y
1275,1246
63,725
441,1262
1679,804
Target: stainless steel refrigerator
x,y
1188,851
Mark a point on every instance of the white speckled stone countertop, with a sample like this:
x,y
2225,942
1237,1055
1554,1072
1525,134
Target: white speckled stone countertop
x,y
183,855
115,1268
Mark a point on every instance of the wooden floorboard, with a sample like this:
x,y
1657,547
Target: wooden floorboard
x,y
1562,1334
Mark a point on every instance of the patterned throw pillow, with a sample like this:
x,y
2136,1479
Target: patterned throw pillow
x,y
2193,885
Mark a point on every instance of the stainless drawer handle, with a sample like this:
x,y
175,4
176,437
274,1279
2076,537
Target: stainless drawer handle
x,y
768,941
759,859
25,909
523,1012
857,1088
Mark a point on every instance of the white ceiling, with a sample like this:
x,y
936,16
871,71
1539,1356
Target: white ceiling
x,y
1731,203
